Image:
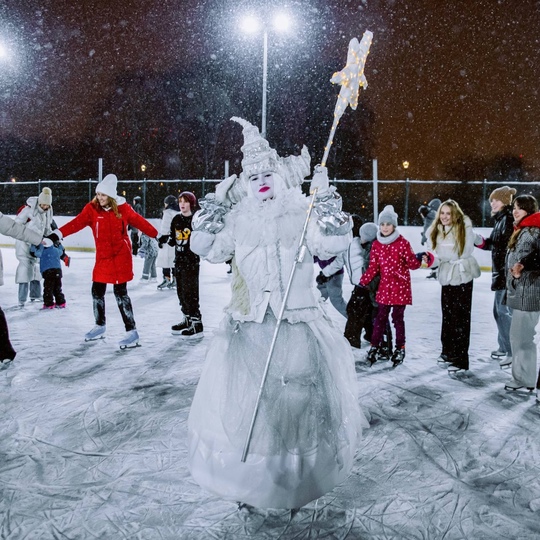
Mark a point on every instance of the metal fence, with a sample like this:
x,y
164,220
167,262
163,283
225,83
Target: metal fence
x,y
69,196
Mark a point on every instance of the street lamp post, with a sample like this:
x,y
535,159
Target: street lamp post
x,y
251,24
406,213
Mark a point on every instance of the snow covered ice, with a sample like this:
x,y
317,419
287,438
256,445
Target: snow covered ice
x,y
93,439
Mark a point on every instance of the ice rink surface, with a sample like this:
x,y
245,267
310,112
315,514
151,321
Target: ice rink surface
x,y
93,439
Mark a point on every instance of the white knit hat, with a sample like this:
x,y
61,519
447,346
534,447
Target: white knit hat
x,y
368,232
108,186
388,215
45,197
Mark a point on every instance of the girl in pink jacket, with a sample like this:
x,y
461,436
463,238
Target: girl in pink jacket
x,y
392,258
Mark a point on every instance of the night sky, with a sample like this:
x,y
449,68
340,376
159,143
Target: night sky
x,y
447,79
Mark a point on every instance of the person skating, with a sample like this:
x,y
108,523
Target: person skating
x,y
452,238
51,270
391,258
165,258
186,268
309,422
36,215
108,215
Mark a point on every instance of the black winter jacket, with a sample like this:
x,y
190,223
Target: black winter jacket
x,y
497,243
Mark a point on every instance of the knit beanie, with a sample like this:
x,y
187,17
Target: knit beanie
x,y
368,232
190,197
388,215
503,194
45,197
108,186
434,204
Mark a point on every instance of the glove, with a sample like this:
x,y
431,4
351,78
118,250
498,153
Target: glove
x,y
162,240
320,180
479,241
321,279
425,256
223,188
420,256
54,237
67,259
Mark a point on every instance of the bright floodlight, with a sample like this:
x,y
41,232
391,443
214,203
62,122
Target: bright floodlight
x,y
249,24
282,22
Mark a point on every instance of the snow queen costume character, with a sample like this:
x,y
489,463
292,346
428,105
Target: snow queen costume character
x,y
309,422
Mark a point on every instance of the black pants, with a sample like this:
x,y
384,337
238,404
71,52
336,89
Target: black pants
x,y
456,303
52,287
359,316
122,299
186,270
7,352
134,241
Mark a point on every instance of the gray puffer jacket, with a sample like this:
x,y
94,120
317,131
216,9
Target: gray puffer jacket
x,y
523,293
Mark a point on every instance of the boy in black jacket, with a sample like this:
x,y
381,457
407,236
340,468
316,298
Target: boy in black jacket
x,y
186,267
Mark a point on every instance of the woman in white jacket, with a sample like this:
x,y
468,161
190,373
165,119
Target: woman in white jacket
x,y
9,227
308,424
166,254
452,238
37,216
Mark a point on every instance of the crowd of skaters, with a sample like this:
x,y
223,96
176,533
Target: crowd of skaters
x,y
253,222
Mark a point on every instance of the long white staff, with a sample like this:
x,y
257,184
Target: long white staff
x,y
353,73
351,78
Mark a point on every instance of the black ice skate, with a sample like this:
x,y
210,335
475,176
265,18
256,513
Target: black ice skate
x,y
372,355
178,328
195,328
398,357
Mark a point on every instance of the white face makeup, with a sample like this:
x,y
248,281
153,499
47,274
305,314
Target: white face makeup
x,y
496,205
446,215
262,185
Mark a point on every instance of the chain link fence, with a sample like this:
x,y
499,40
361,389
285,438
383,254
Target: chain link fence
x,y
69,196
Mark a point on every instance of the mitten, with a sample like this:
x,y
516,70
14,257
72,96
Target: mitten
x,y
320,180
162,240
321,279
479,241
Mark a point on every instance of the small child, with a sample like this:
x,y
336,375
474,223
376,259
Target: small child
x,y
50,268
392,258
148,250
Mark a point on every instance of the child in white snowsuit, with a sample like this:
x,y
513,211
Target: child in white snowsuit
x,y
148,250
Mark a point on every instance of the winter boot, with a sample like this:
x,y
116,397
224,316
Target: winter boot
x,y
195,328
398,356
98,332
131,340
178,328
372,355
164,284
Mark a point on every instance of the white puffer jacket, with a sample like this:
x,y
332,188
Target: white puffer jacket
x,y
354,261
166,254
37,220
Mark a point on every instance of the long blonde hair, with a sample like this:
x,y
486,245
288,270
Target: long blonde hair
x,y
110,202
458,224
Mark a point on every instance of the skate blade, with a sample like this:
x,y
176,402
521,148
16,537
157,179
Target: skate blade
x,y
521,389
94,338
194,336
130,346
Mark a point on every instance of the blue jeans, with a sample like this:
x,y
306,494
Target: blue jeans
x,y
35,291
149,267
503,317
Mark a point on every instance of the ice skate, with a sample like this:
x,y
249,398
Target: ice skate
x,y
515,385
398,357
60,306
130,341
98,332
456,368
164,284
195,328
46,308
505,362
172,284
443,359
178,328
372,355
498,354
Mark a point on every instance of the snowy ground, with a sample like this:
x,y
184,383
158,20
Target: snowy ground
x,y
93,440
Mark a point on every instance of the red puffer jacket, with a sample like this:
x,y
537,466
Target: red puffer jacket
x,y
393,262
113,248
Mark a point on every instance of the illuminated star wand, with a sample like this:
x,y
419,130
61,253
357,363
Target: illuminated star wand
x,y
351,78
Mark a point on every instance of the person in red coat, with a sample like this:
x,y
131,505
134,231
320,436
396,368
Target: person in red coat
x,y
392,258
108,215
